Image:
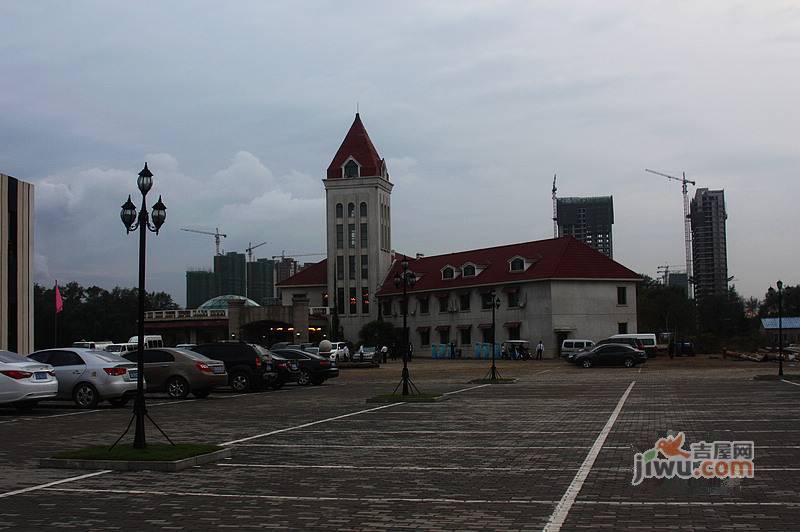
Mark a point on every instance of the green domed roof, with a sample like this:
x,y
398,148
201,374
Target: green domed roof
x,y
221,302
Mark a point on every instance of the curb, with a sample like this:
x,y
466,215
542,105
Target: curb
x,y
134,465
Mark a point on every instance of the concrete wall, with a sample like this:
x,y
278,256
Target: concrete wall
x,y
589,309
312,293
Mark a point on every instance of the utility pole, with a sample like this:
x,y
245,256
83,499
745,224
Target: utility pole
x,y
555,209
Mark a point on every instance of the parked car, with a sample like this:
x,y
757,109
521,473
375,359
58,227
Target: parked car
x,y
633,342
85,344
151,341
314,369
25,382
286,370
121,349
682,347
648,340
186,346
610,355
312,350
339,351
364,354
572,346
88,376
248,365
180,372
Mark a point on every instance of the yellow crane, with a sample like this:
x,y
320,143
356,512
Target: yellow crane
x,y
216,234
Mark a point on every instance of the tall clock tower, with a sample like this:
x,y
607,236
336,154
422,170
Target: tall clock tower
x,y
359,230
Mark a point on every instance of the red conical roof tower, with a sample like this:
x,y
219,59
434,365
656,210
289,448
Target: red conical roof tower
x,y
357,145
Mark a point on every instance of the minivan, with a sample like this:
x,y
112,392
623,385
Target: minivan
x,y
571,346
151,341
648,341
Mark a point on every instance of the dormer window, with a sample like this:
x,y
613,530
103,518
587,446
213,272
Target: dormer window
x,y
448,272
516,264
468,270
350,168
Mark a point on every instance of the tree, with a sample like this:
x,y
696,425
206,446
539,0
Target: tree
x,y
664,308
377,333
91,313
790,303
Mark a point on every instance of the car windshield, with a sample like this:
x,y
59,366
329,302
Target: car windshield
x,y
113,348
261,350
9,357
193,355
105,356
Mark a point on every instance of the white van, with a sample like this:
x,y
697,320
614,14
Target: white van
x,y
150,341
86,344
121,349
571,346
648,341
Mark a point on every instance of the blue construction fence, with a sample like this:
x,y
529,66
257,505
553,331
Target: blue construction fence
x,y
479,350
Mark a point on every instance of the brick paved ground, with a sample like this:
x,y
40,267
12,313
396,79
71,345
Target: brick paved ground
x,y
492,457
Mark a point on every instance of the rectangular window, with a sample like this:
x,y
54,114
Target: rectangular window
x,y
486,301
353,301
444,336
487,335
622,328
466,336
425,337
340,301
339,236
387,307
442,303
513,299
622,295
340,268
513,333
463,301
365,300
351,263
351,235
364,267
424,304
364,234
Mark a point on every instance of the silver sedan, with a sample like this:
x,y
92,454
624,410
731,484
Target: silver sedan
x,y
88,376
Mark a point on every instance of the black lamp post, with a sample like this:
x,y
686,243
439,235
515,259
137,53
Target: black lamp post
x,y
405,279
495,306
141,221
780,328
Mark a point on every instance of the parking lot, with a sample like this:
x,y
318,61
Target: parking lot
x,y
553,450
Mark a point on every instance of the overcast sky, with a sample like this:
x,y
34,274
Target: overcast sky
x,y
239,107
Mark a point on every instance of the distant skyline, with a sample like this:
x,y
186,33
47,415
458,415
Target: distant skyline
x,y
239,107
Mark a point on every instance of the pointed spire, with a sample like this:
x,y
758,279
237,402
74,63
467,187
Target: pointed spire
x,y
357,145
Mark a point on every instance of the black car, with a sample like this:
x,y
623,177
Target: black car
x,y
248,365
611,355
314,369
286,370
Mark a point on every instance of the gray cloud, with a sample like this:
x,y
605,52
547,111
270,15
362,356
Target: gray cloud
x,y
474,105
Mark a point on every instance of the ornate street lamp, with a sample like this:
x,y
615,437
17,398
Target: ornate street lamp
x,y
141,221
406,279
780,325
495,305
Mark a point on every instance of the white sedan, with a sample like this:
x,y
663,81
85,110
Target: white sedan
x,y
24,382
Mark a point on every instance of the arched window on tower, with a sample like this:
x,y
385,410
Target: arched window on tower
x,y
351,168
339,210
351,210
363,208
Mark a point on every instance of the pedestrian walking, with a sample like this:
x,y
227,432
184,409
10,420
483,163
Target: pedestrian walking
x,y
539,350
384,353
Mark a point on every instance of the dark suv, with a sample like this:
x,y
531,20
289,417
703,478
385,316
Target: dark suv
x,y
248,365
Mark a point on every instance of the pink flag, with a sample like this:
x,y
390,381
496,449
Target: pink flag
x,y
59,301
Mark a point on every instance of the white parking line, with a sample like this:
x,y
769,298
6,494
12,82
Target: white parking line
x,y
49,484
423,447
466,389
446,431
563,507
399,468
326,420
790,382
431,500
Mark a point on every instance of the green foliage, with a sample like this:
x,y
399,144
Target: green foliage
x,y
664,309
377,333
790,303
91,313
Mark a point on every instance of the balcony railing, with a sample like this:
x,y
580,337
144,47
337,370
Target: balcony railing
x,y
190,314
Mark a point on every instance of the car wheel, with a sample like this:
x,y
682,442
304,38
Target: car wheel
x,y
177,388
587,363
240,382
316,381
25,406
629,363
119,401
85,395
304,379
201,394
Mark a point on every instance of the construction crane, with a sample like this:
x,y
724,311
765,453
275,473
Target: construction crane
x,y
555,209
283,255
687,224
664,271
216,234
249,250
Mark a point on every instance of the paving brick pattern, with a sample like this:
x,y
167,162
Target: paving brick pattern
x,y
493,457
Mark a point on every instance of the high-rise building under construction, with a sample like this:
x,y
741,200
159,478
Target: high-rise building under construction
x,y
588,220
709,248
